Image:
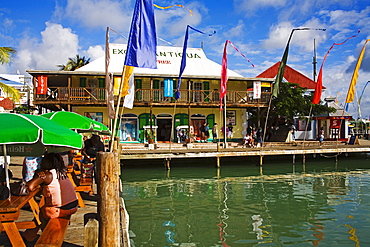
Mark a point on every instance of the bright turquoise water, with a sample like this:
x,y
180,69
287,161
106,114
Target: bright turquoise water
x,y
321,203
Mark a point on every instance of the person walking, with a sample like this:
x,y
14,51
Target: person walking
x,y
214,132
321,136
206,132
230,131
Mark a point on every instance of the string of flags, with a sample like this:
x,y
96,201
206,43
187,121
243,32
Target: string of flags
x,y
318,89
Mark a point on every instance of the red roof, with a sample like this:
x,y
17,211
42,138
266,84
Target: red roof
x,y
291,75
6,103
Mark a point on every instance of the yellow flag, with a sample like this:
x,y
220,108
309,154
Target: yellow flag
x,y
178,5
128,73
117,81
351,90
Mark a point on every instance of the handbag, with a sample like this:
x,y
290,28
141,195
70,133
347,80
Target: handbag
x,y
19,188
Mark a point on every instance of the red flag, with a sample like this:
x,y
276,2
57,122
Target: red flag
x,y
223,76
224,71
318,88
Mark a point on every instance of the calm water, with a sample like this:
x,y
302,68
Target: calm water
x,y
321,203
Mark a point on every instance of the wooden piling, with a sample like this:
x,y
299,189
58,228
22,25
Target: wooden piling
x,y
108,199
218,162
261,160
168,164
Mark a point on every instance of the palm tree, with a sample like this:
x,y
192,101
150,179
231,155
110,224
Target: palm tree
x,y
74,63
6,54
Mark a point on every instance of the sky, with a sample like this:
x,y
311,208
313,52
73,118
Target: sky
x,y
47,33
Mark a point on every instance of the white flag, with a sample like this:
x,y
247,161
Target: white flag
x,y
129,98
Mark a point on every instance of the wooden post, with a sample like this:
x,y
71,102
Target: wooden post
x,y
91,233
168,164
304,158
218,162
108,199
293,158
261,160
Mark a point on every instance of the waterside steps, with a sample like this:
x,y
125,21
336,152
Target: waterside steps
x,y
168,151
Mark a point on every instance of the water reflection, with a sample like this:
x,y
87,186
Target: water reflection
x,y
320,204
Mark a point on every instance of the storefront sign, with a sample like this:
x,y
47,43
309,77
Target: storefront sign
x,y
256,90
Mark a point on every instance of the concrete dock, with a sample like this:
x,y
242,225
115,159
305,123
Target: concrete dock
x,y
75,231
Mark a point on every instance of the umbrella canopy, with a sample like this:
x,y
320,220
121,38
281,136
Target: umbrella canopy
x,y
28,135
77,122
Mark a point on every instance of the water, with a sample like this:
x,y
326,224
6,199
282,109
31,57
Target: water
x,y
321,203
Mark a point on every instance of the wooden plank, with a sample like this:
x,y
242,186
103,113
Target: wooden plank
x,y
54,232
13,233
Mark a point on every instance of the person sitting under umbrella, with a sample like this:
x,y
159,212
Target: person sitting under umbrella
x,y
91,147
58,191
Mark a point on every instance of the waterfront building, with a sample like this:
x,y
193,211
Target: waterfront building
x,y
83,91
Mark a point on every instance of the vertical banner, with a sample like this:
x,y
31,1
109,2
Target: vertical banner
x,y
168,87
256,89
42,84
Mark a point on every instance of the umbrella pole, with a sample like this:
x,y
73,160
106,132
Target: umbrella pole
x,y
6,168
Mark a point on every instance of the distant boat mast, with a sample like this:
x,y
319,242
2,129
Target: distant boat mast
x,y
314,60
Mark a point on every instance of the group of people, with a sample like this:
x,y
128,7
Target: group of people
x,y
253,138
50,172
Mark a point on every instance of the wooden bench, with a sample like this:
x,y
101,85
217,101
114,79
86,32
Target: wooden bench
x,y
53,233
81,185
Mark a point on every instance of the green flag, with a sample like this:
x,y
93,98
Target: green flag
x,y
280,74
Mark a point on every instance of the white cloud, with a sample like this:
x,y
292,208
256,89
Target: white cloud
x,y
279,35
95,52
56,46
100,13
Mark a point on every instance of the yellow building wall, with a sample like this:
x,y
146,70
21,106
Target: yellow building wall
x,y
237,131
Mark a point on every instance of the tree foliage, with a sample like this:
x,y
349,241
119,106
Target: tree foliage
x,y
74,63
291,102
6,54
25,109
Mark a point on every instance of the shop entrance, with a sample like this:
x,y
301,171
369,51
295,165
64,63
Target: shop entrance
x,y
164,123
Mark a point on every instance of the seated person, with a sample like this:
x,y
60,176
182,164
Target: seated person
x,y
57,190
30,165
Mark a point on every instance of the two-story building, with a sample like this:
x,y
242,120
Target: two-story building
x,y
83,91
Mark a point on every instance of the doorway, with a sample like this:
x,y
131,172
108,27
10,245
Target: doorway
x,y
164,123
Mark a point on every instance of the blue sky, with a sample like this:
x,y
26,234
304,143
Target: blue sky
x,y
47,33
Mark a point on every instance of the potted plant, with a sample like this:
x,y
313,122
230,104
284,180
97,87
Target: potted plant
x,y
150,136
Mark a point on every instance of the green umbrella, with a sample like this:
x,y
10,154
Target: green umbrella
x,y
77,122
30,135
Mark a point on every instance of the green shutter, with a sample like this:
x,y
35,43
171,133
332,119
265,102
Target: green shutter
x,y
206,91
139,93
82,81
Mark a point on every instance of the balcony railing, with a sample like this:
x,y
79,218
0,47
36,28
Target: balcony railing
x,y
97,95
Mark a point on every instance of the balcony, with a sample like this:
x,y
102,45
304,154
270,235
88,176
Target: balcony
x,y
203,98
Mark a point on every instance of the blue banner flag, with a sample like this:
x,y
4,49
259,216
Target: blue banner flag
x,y
168,87
183,59
142,41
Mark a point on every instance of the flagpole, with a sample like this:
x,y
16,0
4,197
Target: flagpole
x,y
117,108
225,115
